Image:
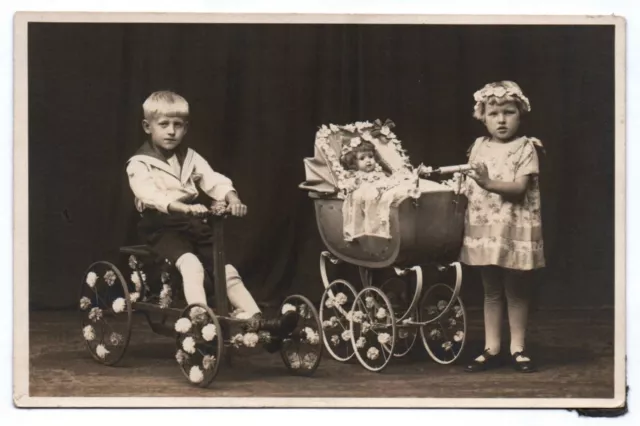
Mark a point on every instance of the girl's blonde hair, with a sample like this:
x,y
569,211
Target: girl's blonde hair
x,y
497,94
167,103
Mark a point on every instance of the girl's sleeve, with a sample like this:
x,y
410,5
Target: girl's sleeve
x,y
214,184
528,163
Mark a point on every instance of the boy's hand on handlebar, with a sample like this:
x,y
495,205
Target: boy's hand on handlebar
x,y
236,208
198,210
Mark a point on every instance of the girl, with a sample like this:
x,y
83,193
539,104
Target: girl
x,y
503,231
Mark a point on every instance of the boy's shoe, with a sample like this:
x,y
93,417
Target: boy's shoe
x,y
524,364
282,326
489,362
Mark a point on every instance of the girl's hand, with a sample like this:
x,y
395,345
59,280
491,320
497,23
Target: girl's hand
x,y
480,173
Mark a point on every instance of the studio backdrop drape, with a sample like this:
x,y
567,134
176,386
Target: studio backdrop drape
x,y
257,95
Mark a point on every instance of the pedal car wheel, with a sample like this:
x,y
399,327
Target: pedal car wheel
x,y
400,295
302,350
334,317
373,329
199,344
445,338
105,311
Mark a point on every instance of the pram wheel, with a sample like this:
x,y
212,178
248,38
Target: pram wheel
x,y
105,309
199,342
336,301
302,350
373,329
444,338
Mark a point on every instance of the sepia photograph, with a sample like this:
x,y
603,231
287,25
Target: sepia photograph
x,y
221,210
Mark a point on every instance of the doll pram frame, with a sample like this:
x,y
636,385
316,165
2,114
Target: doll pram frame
x,y
364,322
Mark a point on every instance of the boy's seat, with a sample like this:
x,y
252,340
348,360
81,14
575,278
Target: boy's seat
x,y
138,250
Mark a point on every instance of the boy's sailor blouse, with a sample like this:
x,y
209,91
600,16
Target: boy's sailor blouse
x,y
156,182
499,231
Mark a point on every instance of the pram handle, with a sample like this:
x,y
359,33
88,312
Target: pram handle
x,y
460,168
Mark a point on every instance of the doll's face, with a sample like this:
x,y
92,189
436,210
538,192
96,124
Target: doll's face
x,y
365,161
502,121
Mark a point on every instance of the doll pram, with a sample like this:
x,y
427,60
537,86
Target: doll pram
x,y
375,322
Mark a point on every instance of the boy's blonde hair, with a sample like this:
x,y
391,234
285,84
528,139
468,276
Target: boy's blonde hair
x,y
167,103
497,94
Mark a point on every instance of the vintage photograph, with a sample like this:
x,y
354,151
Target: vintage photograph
x,y
304,211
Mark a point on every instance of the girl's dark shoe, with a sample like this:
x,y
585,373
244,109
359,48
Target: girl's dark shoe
x,y
524,365
489,362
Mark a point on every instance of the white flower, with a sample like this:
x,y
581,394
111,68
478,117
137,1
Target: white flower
x,y
335,340
407,320
365,327
346,335
434,334
88,333
183,325
209,332
208,362
384,338
358,316
327,324
198,315
133,297
135,279
459,336
323,132
392,135
441,305
116,339
458,311
132,262
341,299
101,351
369,302
110,277
447,345
329,302
166,291
236,340
309,360
165,277
373,353
195,374
119,305
334,128
92,277
381,314
312,337
385,130
361,342
349,316
452,322
350,128
85,303
288,307
189,345
95,314
304,312
264,336
250,340
432,310
367,136
354,142
363,124
294,361
181,357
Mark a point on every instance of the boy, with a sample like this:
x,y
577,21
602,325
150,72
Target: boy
x,y
164,176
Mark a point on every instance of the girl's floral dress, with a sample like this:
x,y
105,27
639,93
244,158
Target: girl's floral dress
x,y
499,231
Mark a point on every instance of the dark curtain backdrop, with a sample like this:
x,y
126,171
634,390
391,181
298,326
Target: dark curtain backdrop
x,y
258,93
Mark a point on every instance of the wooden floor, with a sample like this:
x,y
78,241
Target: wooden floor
x,y
573,348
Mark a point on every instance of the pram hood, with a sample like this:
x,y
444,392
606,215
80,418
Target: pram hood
x,y
324,172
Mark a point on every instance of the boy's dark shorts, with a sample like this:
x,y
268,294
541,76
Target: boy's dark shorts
x,y
171,236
